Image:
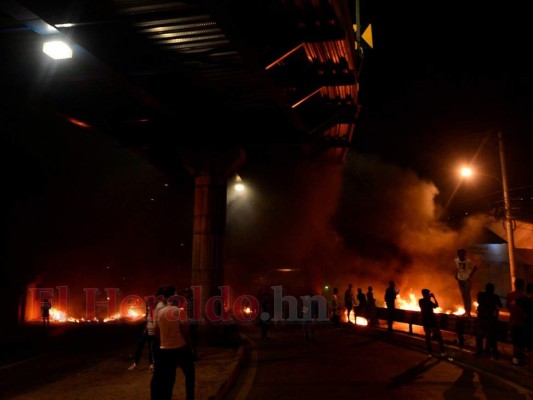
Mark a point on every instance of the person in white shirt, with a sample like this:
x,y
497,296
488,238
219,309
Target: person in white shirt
x,y
464,271
171,326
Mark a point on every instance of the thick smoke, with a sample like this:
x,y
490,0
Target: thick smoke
x,y
364,222
393,230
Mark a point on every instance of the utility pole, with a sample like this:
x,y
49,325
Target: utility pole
x,y
508,218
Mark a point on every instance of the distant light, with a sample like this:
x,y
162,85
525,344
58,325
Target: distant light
x,y
326,287
466,172
68,25
57,49
238,185
78,122
286,269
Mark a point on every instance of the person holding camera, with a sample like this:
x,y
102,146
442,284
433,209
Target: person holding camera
x,y
427,304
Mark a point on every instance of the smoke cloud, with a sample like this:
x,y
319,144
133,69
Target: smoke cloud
x,y
364,222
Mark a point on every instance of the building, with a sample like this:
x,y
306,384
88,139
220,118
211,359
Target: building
x,y
494,255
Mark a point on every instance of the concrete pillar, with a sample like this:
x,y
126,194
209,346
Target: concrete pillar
x,y
211,169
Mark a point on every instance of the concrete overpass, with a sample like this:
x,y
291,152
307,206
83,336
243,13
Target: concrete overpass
x,y
193,83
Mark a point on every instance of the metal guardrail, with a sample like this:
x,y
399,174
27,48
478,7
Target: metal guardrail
x,y
458,324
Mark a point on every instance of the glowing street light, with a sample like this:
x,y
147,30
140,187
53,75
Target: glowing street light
x,y
467,172
57,49
238,185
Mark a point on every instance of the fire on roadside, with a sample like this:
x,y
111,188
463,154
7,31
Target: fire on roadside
x,y
409,303
58,316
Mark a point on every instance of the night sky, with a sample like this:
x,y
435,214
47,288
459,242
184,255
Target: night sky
x,y
440,78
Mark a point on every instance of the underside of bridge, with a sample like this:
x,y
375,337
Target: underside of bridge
x,y
191,82
158,75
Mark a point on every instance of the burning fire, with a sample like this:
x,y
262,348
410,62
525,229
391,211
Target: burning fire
x,y
58,316
412,304
355,319
409,303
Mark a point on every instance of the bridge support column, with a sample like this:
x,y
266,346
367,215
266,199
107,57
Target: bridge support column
x,y
211,169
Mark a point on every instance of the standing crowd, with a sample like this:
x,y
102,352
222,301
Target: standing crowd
x,y
488,329
169,331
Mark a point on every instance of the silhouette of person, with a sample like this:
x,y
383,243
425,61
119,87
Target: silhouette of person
x,y
526,304
390,301
45,312
361,303
146,338
464,271
427,304
309,314
160,302
335,308
489,305
517,318
371,307
349,301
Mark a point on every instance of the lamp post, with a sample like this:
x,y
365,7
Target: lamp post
x,y
508,217
467,172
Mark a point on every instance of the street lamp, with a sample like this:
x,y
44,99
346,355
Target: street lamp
x,y
238,185
466,172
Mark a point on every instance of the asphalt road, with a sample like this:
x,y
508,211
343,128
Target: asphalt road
x,y
90,361
359,363
39,359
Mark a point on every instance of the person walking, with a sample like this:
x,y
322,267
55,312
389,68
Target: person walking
x,y
349,302
464,271
171,326
146,338
427,304
517,318
390,301
489,305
